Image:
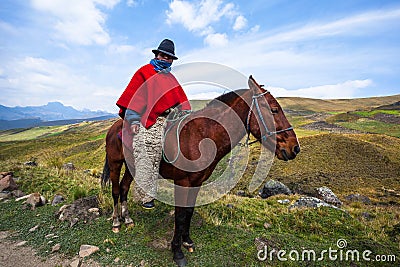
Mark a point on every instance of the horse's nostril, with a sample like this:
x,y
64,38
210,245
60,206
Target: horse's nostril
x,y
296,150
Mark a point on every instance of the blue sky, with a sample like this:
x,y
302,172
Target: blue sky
x,y
84,52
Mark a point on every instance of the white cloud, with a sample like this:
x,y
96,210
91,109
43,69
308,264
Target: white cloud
x,y
121,49
295,57
107,3
76,21
36,81
216,39
347,89
240,23
361,24
131,3
199,17
255,29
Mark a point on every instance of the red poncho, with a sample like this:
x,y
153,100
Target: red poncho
x,y
150,93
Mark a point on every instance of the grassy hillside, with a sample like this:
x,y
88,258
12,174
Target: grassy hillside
x,y
336,105
323,105
230,231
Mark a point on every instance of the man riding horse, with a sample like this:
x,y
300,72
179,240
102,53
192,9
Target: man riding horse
x,y
149,97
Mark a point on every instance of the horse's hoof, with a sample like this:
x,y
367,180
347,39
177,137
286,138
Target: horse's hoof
x,y
130,225
128,221
181,262
116,229
189,247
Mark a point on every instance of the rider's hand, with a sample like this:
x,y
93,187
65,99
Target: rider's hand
x,y
135,128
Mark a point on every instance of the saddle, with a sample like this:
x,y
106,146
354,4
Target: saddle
x,y
172,115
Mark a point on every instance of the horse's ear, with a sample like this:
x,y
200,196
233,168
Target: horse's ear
x,y
254,85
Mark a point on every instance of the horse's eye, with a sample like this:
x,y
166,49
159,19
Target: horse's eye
x,y
274,110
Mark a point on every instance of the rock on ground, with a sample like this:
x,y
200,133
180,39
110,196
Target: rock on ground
x,y
310,202
326,194
272,188
87,250
80,210
358,198
12,254
7,183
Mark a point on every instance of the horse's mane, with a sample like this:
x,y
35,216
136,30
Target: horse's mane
x,y
226,98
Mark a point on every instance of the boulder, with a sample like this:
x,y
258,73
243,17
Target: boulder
x,y
358,198
5,195
7,183
17,193
69,166
35,200
310,202
56,248
86,250
76,263
272,188
283,201
326,194
83,209
57,200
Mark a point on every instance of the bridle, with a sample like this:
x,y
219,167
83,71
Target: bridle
x,y
268,133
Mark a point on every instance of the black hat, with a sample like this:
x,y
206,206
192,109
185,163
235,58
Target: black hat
x,y
166,47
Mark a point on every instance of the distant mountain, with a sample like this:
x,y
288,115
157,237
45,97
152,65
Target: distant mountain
x,y
50,112
54,113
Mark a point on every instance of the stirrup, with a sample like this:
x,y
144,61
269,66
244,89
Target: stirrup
x,y
148,205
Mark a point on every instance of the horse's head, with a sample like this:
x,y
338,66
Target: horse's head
x,y
267,122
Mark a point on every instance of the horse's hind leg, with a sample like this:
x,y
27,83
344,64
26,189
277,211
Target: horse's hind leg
x,y
124,190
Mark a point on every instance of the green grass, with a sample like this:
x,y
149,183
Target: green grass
x,y
32,133
368,164
336,105
224,236
373,126
371,113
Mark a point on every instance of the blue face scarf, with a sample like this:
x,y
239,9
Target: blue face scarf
x,y
161,65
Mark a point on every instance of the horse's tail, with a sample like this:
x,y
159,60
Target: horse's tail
x,y
105,176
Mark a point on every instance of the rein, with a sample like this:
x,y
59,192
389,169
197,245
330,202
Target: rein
x,y
268,133
178,116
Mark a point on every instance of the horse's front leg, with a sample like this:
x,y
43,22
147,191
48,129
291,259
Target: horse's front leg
x,y
185,200
124,190
187,242
191,202
180,219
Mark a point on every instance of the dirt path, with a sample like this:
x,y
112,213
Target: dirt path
x,y
13,253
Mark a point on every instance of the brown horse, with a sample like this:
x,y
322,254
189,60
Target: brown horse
x,y
216,122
